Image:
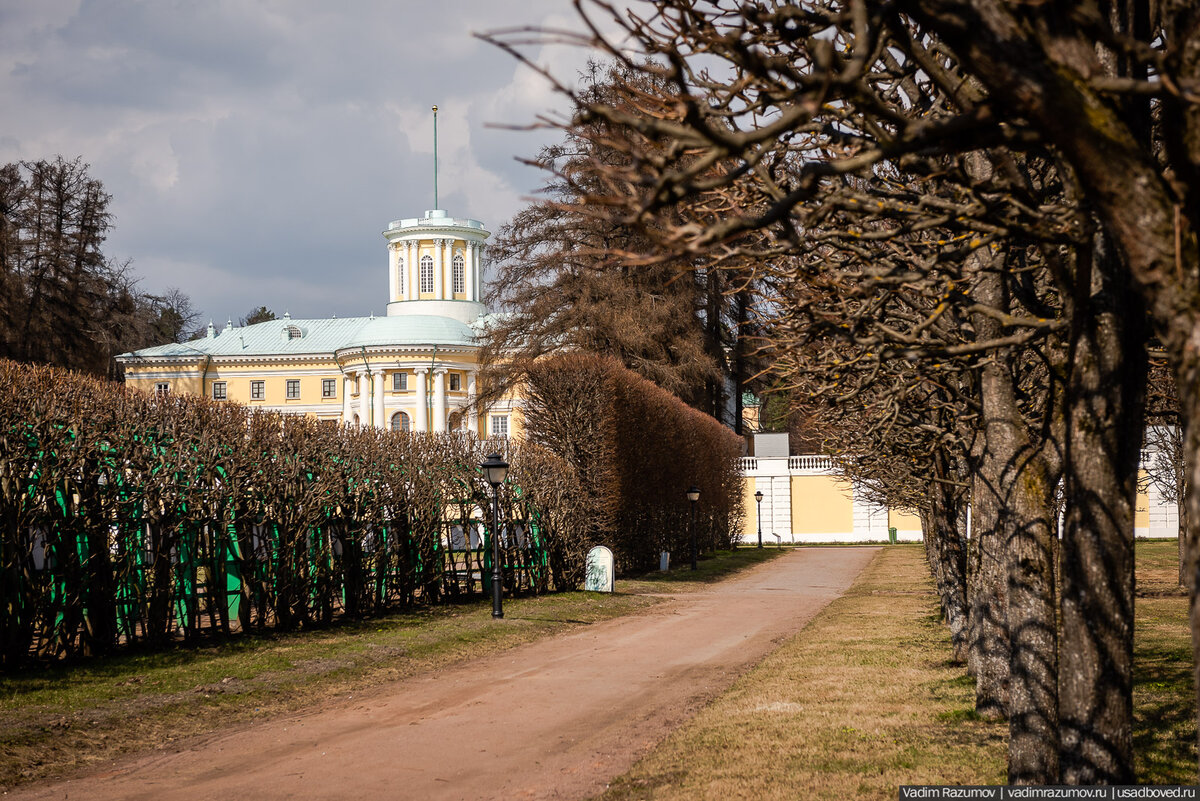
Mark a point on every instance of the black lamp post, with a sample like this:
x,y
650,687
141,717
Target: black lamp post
x,y
758,497
495,470
693,495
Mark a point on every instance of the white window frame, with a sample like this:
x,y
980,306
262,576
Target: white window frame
x,y
498,425
426,274
400,275
220,390
404,420
328,387
292,384
162,389
458,274
399,381
258,390
455,382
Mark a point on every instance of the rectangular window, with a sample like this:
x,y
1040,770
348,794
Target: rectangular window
x,y
328,387
399,382
499,425
219,390
293,388
161,390
455,382
256,390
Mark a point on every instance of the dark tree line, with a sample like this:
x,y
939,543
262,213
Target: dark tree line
x,y
967,218
569,280
62,301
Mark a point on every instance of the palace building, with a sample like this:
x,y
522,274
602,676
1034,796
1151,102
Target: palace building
x,y
412,370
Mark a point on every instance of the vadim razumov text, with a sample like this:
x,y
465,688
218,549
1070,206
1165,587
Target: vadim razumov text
x,y
937,792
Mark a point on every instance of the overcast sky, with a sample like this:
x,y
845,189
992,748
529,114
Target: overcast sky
x,y
255,150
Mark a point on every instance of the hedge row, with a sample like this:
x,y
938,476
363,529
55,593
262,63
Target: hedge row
x,y
126,518
635,449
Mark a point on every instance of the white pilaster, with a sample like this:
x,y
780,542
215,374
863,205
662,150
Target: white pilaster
x,y
447,265
379,421
473,414
438,266
393,272
347,407
422,419
364,398
439,400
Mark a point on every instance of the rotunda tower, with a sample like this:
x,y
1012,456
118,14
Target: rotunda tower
x,y
434,266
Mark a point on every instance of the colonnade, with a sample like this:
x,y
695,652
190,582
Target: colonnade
x,y
372,408
404,273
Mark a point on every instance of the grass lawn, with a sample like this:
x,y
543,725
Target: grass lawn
x,y
59,719
1164,703
864,700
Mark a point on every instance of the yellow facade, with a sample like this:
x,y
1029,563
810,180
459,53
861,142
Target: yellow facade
x,y
345,369
821,505
803,501
904,521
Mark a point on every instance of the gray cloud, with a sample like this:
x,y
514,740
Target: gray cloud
x,y
255,150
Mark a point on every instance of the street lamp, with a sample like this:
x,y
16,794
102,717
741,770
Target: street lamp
x,y
495,470
693,495
758,497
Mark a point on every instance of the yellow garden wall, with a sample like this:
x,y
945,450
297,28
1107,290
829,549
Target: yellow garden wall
x,y
821,505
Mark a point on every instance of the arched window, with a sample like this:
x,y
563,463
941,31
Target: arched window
x,y
427,273
455,421
400,422
400,275
457,274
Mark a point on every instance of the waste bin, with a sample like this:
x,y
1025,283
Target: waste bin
x,y
892,535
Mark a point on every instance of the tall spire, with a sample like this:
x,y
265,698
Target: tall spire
x,y
435,197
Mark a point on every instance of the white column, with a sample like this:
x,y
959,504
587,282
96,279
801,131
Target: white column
x,y
477,268
422,422
473,415
438,250
379,421
439,400
347,408
412,270
448,262
469,271
364,398
393,254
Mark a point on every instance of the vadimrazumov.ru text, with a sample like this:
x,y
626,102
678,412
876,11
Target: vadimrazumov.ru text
x,y
934,792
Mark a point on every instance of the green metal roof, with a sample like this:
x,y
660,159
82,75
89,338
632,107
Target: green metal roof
x,y
317,337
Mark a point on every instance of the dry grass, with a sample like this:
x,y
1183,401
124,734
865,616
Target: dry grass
x,y
1164,703
863,700
860,702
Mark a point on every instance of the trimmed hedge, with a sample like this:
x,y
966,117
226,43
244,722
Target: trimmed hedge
x,y
634,449
126,518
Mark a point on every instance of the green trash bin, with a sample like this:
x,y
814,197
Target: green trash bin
x,y
892,535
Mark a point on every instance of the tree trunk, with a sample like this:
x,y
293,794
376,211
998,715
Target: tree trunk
x,y
951,554
1032,626
1104,423
1016,483
1189,401
987,646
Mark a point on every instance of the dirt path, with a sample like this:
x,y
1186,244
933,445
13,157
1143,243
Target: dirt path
x,y
556,719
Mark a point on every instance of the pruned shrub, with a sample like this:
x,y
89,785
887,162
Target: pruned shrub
x,y
126,518
634,450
